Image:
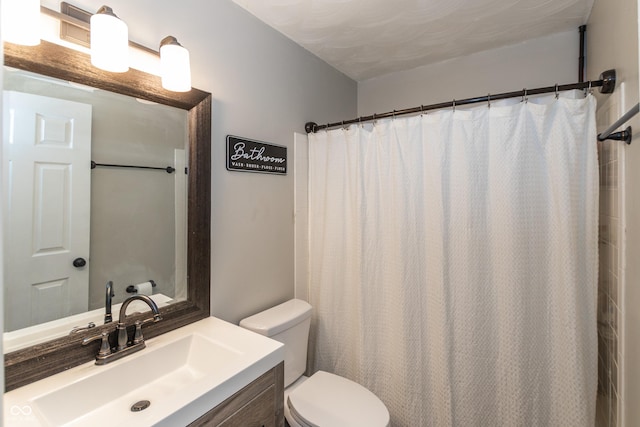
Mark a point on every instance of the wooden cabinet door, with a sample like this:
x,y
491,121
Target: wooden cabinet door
x,y
259,404
257,413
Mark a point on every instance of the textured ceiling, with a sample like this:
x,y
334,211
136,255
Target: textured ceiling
x,y
369,38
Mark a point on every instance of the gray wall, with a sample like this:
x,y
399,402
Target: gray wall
x,y
264,87
535,63
133,210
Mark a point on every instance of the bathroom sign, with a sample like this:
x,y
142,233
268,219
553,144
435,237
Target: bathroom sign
x,y
247,155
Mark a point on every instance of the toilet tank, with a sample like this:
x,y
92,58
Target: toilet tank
x,y
288,323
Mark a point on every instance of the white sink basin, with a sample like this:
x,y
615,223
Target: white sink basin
x,y
182,373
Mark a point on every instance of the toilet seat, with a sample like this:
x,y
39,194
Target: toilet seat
x,y
330,400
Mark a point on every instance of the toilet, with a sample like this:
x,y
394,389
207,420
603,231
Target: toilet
x,y
323,399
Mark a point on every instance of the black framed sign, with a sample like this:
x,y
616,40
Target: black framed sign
x,y
247,155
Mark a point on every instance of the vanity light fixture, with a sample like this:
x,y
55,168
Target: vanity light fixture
x,y
108,38
109,41
21,22
174,65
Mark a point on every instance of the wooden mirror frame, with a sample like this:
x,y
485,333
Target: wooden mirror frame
x,y
30,364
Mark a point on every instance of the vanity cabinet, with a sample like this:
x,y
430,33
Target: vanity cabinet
x,y
259,404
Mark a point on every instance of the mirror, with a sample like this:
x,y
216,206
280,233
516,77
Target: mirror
x,y
38,361
124,224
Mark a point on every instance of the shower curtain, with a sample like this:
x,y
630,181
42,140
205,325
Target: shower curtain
x,y
453,263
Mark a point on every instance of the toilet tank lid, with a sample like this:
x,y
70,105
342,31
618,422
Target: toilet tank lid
x,y
279,318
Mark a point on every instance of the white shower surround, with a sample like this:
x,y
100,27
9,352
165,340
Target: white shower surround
x,y
453,263
370,38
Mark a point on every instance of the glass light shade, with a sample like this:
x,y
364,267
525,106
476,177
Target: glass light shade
x,y
109,42
175,66
21,22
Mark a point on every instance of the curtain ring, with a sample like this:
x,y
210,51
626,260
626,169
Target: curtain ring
x,y
590,90
394,114
557,93
489,100
360,121
525,99
421,109
454,105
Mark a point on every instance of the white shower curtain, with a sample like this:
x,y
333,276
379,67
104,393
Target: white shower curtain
x,y
453,263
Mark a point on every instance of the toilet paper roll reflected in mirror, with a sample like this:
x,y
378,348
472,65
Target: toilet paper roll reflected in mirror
x,y
145,288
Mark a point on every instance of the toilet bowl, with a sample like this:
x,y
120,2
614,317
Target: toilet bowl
x,y
323,399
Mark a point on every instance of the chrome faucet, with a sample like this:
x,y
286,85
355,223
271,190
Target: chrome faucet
x,y
108,318
122,328
123,348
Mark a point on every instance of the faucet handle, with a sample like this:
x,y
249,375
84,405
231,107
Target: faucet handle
x,y
105,348
137,336
77,329
155,318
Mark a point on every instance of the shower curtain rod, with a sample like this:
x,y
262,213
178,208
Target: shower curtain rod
x,y
606,83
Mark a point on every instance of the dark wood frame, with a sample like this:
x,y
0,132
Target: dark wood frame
x,y
39,361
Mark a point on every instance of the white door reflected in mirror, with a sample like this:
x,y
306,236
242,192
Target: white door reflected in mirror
x,y
47,176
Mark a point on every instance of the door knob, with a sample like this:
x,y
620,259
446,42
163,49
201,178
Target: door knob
x,y
79,262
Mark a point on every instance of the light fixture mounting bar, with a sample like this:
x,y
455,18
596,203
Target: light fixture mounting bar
x,y
75,28
72,32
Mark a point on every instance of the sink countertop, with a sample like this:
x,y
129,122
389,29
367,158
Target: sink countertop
x,y
177,402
